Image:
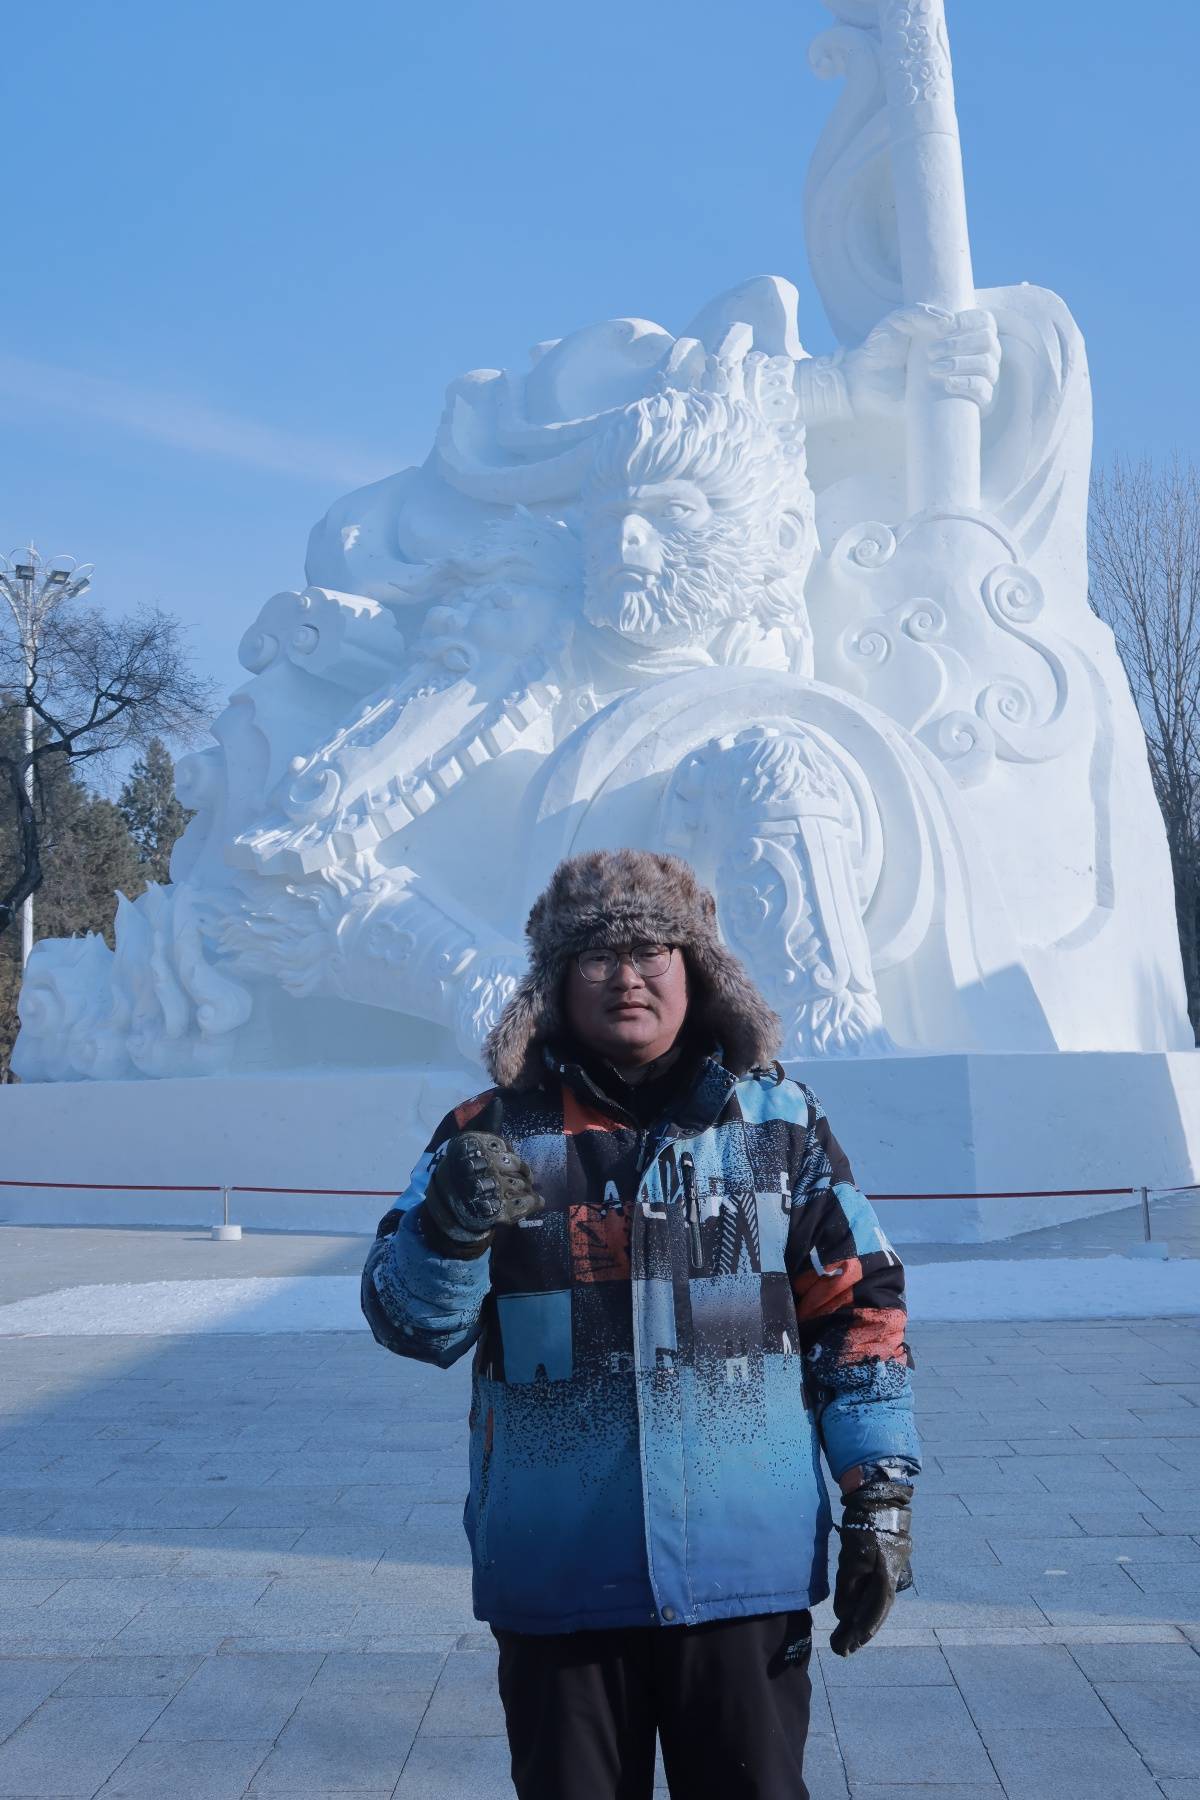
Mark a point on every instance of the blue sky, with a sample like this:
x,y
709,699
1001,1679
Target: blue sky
x,y
248,244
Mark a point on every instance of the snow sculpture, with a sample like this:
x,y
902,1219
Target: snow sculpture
x,y
820,624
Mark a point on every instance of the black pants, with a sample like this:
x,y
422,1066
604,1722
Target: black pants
x,y
729,1701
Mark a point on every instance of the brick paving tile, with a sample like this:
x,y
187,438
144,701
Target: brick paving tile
x,y
824,1770
116,1677
924,1791
450,1768
875,1730
1138,1662
1097,1764
230,1697
341,1739
25,1682
1166,1733
398,1672
879,1666
1038,1688
71,1747
215,1770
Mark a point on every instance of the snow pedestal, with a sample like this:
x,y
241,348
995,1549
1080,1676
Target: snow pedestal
x,y
986,1129
1028,1141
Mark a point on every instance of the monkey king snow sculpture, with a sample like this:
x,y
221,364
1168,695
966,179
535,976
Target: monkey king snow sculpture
x,y
818,624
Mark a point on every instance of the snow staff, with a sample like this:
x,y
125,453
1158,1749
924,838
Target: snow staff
x,y
678,1300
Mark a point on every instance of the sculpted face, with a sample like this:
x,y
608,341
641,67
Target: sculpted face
x,y
692,517
643,546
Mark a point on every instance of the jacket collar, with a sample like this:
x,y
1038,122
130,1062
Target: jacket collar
x,y
691,1110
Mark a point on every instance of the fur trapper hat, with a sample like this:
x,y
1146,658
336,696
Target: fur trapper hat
x,y
612,899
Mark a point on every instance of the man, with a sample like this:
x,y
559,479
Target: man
x,y
678,1299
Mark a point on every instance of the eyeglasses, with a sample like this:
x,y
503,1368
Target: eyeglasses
x,y
648,960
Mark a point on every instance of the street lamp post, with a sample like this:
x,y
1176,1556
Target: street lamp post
x,y
34,588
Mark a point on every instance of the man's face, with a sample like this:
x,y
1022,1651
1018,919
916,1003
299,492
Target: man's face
x,y
629,1018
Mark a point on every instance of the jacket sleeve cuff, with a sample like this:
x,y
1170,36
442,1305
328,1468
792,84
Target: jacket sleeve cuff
x,y
434,1301
853,1435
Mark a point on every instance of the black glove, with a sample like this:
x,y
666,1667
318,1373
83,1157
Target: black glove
x,y
874,1564
478,1184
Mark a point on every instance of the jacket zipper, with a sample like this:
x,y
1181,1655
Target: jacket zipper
x,y
687,1167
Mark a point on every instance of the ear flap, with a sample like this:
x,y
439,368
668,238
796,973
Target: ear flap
x,y
747,1029
529,1017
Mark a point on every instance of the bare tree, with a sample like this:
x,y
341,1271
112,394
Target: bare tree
x,y
96,686
1144,553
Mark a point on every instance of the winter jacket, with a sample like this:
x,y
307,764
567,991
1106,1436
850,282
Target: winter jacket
x,y
703,1307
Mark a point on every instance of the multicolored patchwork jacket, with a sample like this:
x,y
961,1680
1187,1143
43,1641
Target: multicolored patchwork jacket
x,y
662,1354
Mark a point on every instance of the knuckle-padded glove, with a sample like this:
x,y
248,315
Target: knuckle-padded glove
x,y
875,1561
478,1184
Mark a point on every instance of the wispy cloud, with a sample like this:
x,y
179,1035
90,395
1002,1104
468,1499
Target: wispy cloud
x,y
186,423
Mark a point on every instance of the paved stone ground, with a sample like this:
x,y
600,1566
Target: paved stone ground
x,y
234,1566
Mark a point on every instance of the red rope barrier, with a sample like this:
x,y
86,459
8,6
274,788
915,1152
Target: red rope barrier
x,y
1030,1194
115,1187
363,1193
162,1187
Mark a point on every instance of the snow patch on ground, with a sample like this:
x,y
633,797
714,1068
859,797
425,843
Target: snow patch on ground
x,y
1105,1287
167,1308
1059,1287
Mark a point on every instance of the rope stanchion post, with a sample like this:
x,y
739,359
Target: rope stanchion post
x,y
226,1233
1156,1251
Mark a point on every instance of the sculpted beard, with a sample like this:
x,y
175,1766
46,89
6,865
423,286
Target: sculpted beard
x,y
707,579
